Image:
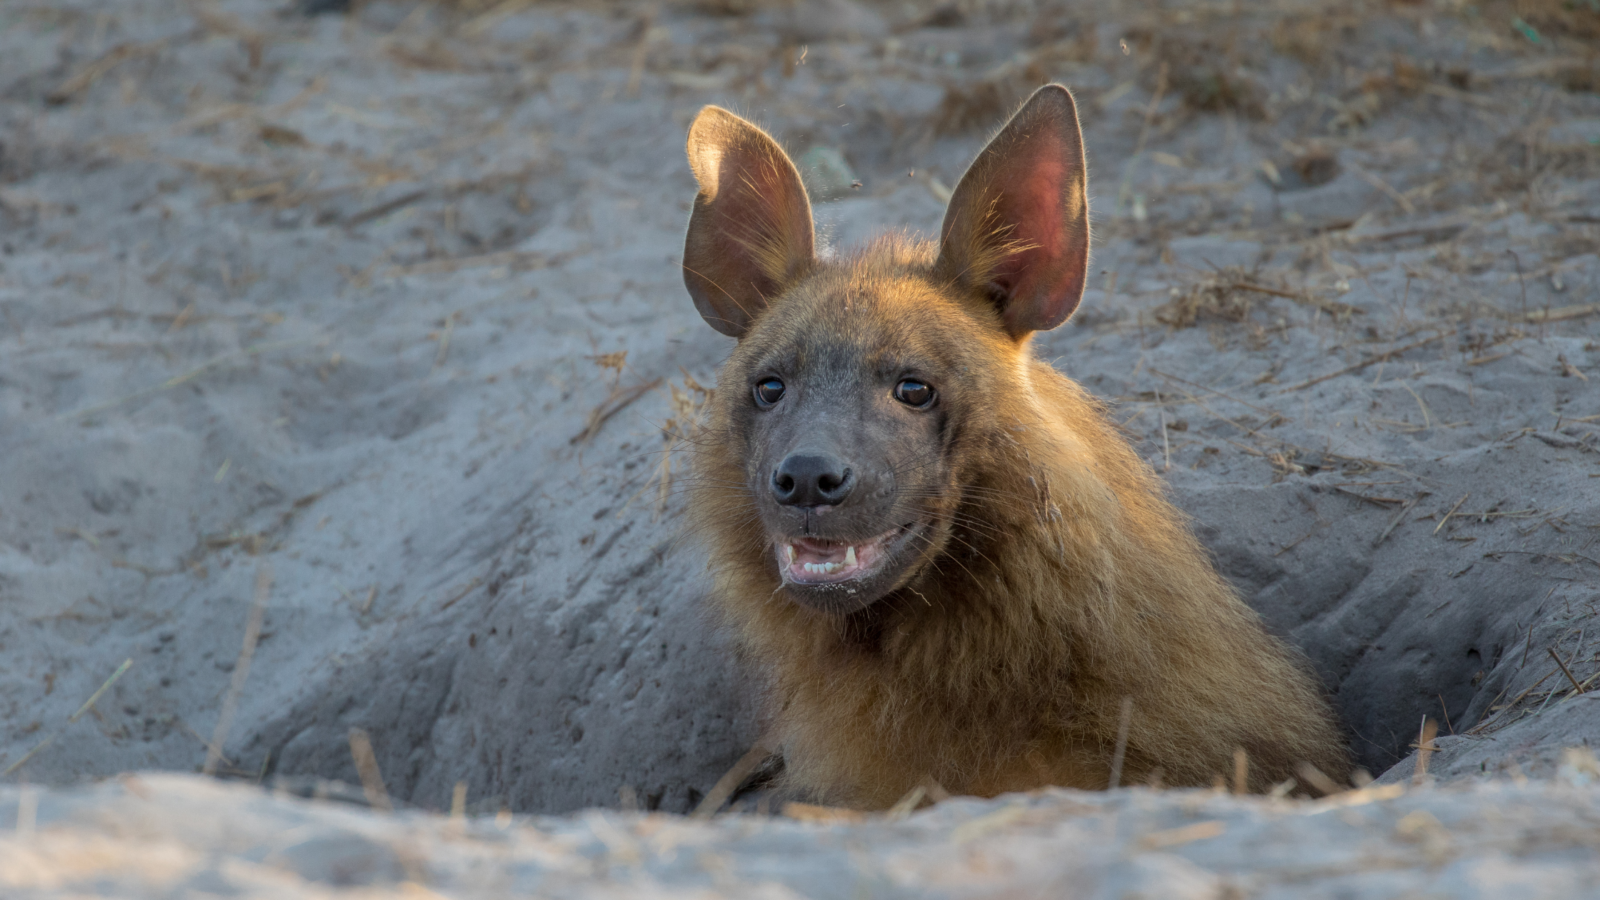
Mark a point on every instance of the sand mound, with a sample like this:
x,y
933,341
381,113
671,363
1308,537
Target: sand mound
x,y
163,835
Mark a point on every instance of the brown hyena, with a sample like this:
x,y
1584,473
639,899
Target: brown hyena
x,y
938,550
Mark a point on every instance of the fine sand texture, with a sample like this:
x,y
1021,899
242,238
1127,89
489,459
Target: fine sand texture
x,y
161,835
346,367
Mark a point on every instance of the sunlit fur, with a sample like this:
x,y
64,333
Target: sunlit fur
x,y
1057,581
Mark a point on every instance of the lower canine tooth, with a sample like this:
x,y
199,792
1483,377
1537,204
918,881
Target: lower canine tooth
x,y
850,556
789,549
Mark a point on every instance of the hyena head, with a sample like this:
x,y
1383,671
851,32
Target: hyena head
x,y
852,419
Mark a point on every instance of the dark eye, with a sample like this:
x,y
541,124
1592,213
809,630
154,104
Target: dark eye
x,y
768,392
912,392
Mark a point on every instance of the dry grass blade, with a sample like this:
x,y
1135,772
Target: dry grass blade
x,y
455,598
515,259
85,77
619,400
383,209
241,669
1124,720
1360,797
1317,779
688,408
1333,307
87,705
1428,234
908,804
485,22
730,781
641,54
1451,512
1188,834
1376,358
444,342
188,376
1399,516
1576,687
27,811
1372,178
824,815
205,742
1425,749
1562,313
367,767
1211,390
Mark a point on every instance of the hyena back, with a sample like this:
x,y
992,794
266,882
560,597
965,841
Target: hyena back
x,y
937,549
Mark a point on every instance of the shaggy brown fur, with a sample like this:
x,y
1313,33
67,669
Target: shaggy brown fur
x,y
1053,579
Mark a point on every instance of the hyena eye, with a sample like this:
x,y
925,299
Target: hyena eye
x,y
768,392
912,392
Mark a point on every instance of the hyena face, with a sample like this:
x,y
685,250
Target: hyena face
x,y
847,402
862,386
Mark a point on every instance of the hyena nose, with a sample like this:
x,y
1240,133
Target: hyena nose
x,y
812,479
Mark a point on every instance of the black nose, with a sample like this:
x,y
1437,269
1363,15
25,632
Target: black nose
x,y
812,479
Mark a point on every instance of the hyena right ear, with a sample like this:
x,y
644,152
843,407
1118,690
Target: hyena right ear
x,y
1017,228
750,235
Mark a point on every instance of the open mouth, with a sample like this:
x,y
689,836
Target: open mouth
x,y
816,561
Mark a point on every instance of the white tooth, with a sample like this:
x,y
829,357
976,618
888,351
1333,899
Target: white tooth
x,y
813,568
850,556
789,549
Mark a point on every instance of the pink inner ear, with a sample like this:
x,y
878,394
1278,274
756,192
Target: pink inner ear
x,y
1044,204
1028,201
1018,223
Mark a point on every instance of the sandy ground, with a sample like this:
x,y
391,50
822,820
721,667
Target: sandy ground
x,y
359,341
179,836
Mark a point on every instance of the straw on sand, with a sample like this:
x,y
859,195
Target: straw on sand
x,y
730,781
241,669
1425,749
367,767
1124,720
87,705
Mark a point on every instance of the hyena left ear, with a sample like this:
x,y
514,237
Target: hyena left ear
x,y
1017,228
750,235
